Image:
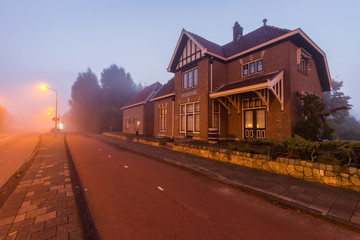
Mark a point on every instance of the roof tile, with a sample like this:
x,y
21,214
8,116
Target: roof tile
x,y
144,95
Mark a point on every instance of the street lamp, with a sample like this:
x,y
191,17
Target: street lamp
x,y
56,119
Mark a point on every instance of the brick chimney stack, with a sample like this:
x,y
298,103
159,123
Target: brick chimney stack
x,y
237,31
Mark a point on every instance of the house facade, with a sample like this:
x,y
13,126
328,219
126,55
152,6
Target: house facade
x,y
246,88
243,89
138,113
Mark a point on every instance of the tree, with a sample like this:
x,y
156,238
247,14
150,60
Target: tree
x,y
316,117
312,110
336,99
85,96
117,86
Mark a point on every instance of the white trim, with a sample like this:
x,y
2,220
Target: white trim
x,y
282,37
133,105
239,90
161,97
184,32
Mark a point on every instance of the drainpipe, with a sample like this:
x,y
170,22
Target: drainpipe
x,y
211,90
173,118
211,74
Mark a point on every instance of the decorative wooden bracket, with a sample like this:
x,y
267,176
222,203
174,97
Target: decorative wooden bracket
x,y
225,104
264,96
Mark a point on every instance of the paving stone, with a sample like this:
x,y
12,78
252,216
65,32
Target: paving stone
x,y
56,222
67,228
46,216
20,217
46,234
6,221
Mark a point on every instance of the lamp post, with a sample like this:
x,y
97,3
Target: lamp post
x,y
43,87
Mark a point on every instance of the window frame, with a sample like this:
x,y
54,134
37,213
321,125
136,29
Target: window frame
x,y
247,67
195,113
187,75
163,119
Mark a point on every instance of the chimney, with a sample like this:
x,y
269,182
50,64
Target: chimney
x,y
237,31
264,21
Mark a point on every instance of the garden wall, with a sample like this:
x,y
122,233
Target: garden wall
x,y
333,175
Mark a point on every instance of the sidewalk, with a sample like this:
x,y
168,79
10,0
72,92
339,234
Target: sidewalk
x,y
336,204
42,206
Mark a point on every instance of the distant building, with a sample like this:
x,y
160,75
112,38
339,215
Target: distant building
x,y
138,113
244,89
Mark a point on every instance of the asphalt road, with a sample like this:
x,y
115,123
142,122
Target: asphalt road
x,y
134,197
15,149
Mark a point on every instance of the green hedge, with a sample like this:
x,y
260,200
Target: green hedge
x,y
329,152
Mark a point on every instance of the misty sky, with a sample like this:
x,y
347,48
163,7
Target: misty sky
x,y
52,41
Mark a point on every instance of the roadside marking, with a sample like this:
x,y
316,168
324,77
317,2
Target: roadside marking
x,y
161,189
7,138
126,167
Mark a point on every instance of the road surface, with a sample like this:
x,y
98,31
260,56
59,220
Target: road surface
x,y
15,149
134,197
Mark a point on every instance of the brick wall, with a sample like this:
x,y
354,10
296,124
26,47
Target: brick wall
x,y
158,104
133,113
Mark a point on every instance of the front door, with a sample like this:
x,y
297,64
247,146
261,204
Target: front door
x,y
255,124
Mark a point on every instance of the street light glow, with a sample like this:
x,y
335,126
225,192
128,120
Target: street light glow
x,y
43,87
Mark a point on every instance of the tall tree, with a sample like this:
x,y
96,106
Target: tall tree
x,y
117,86
336,99
85,96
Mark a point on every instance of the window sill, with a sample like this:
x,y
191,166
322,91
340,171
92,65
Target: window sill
x,y
303,73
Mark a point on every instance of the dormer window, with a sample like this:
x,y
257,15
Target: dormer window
x,y
190,79
303,60
253,67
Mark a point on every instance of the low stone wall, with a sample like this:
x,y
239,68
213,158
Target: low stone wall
x,y
109,134
333,175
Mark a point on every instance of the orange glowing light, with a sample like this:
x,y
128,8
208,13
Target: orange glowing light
x,y
43,87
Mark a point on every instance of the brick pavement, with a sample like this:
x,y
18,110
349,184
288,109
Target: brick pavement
x,y
42,206
332,203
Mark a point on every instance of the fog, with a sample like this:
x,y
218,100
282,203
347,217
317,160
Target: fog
x,y
28,107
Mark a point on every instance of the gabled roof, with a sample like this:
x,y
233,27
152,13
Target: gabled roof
x,y
245,85
143,96
165,91
254,38
262,37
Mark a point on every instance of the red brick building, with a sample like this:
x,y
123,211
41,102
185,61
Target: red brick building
x,y
244,89
138,113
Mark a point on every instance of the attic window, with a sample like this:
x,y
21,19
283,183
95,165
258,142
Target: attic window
x,y
253,67
190,79
303,60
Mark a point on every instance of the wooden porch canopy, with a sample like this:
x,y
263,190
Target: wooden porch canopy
x,y
229,94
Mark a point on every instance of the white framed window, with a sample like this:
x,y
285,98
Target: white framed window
x,y
252,67
163,114
303,60
190,117
190,79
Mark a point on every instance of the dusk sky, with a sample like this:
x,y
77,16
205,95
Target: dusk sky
x,y
50,42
